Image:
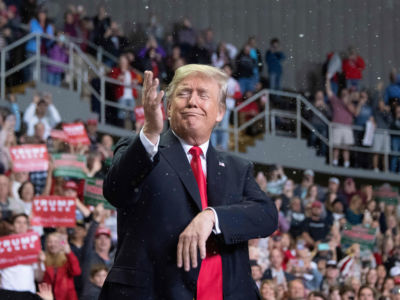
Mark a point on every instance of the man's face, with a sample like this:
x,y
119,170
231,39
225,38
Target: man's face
x,y
194,108
316,211
296,290
333,187
276,259
256,273
39,130
102,243
332,272
41,108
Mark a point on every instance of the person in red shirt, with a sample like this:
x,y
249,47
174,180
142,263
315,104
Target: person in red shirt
x,y
61,267
126,93
352,67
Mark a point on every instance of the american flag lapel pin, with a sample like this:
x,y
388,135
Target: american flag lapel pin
x,y
221,164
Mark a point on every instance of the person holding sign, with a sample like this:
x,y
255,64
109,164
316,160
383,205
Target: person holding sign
x,y
61,267
22,277
185,210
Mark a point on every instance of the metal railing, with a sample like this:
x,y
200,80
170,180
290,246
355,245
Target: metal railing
x,y
99,52
299,123
80,70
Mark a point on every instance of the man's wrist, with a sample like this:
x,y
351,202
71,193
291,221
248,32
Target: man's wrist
x,y
210,214
151,135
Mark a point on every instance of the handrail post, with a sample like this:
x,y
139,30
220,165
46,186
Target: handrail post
x,y
38,47
235,130
99,55
330,143
273,124
71,66
298,118
267,111
386,151
102,98
3,75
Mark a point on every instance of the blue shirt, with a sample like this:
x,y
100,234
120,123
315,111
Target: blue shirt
x,y
364,115
274,60
34,26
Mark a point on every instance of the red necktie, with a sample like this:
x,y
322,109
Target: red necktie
x,y
209,283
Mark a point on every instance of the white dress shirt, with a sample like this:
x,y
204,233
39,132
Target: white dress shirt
x,y
51,119
152,150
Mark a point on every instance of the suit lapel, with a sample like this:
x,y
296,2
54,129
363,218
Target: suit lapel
x,y
172,150
216,175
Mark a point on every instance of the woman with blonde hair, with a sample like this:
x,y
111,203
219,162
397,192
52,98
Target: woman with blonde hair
x,y
268,290
61,267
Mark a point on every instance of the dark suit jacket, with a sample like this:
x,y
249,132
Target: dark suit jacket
x,y
157,200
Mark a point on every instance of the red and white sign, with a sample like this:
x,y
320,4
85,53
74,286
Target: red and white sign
x,y
17,249
139,114
59,135
53,211
29,158
76,133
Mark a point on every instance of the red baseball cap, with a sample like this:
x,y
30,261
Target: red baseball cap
x,y
71,185
91,122
103,230
316,204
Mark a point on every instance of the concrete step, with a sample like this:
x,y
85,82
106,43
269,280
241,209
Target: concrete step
x,y
69,103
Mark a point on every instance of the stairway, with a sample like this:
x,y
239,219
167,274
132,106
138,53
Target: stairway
x,y
70,105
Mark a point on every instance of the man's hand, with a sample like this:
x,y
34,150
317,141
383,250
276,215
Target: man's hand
x,y
195,237
154,122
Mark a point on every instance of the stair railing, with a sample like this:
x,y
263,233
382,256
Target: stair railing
x,y
80,70
296,115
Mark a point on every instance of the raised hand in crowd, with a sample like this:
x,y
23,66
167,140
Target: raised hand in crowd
x,y
99,213
82,208
45,291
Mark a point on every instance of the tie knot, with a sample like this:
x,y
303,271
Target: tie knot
x,y
195,151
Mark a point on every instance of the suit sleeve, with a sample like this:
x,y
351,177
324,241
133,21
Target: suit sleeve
x,y
254,217
129,167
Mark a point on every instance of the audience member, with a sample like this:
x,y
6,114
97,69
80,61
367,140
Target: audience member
x,y
274,57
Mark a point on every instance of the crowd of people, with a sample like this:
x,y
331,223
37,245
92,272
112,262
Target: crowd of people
x,y
163,51
306,258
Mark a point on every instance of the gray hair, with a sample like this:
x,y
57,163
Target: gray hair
x,y
204,70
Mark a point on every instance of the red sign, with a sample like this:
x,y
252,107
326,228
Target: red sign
x,y
17,249
29,158
53,211
139,114
59,135
76,133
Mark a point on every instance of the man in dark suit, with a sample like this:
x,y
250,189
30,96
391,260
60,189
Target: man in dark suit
x,y
185,211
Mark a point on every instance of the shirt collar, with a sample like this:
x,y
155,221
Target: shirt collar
x,y
186,147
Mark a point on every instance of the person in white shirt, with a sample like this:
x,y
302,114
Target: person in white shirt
x,y
220,135
22,277
41,110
